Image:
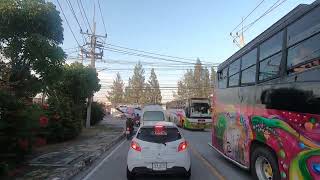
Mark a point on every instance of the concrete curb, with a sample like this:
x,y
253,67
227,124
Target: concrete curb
x,y
84,163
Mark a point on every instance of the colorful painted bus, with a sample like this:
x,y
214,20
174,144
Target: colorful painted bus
x,y
267,103
193,113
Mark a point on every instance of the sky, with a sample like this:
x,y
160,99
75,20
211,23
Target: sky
x,y
183,28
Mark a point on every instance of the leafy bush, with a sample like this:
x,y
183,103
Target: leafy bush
x,y
97,112
21,126
67,100
65,119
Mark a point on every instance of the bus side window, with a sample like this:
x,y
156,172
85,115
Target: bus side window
x,y
305,27
222,78
303,39
304,55
248,67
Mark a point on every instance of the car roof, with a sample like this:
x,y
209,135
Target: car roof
x,y
160,123
153,108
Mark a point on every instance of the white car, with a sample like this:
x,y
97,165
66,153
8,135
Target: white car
x,y
158,149
152,114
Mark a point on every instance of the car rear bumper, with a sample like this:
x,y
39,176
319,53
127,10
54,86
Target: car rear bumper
x,y
173,170
135,160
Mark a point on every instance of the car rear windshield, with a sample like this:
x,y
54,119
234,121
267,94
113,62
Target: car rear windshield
x,y
153,116
148,134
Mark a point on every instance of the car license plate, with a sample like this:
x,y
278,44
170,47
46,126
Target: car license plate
x,y
127,132
159,166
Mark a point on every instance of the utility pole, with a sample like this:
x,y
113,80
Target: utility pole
x,y
241,42
241,38
90,52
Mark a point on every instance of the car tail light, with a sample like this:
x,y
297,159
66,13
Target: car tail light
x,y
128,129
182,146
135,146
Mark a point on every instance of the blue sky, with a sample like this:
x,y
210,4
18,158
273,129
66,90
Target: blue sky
x,y
181,28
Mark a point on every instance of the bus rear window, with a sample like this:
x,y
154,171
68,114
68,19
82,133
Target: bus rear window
x,y
149,134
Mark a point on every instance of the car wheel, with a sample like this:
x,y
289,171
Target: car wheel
x,y
264,165
130,175
188,174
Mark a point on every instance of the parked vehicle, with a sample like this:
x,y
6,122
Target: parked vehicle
x,y
267,103
158,149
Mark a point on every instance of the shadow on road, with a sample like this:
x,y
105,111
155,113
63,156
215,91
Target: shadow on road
x,y
159,177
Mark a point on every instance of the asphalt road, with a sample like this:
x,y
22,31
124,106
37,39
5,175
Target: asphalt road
x,y
206,163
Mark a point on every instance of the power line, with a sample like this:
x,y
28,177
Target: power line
x,y
67,22
248,15
126,62
163,55
143,55
83,19
75,16
104,25
269,10
85,15
73,13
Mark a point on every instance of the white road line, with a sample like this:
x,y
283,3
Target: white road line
x,y
103,161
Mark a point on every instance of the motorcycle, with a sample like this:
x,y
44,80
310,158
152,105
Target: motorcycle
x,y
128,132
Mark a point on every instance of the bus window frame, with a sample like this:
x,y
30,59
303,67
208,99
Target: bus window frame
x,y
255,77
307,35
301,63
284,71
255,48
283,60
221,79
238,84
274,76
287,46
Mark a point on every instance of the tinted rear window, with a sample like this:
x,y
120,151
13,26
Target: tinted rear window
x,y
148,134
153,116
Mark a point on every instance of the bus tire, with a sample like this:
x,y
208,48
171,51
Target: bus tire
x,y
264,164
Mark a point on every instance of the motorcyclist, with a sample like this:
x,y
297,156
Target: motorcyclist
x,y
137,119
129,124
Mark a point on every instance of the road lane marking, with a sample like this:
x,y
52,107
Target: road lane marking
x,y
212,169
103,161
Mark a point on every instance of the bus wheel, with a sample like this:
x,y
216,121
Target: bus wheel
x,y
264,165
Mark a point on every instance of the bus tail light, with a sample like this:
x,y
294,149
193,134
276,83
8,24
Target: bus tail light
x,y
135,146
182,146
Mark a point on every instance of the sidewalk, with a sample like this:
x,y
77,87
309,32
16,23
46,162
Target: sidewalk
x,y
64,160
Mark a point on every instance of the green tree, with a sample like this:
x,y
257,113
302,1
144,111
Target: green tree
x,y
182,91
206,89
137,84
116,94
195,83
67,98
30,34
128,92
30,60
213,77
152,89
